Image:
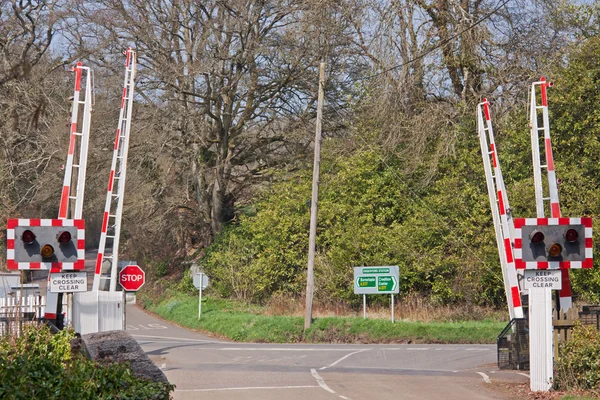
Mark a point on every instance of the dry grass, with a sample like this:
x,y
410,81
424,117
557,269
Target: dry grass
x,y
408,308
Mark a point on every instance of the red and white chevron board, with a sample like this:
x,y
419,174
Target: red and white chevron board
x,y
12,264
588,262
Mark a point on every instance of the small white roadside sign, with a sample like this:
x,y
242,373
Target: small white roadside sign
x,y
68,282
543,279
200,277
201,282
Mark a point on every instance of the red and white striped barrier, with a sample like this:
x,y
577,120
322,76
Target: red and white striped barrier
x,y
565,293
66,190
113,207
500,209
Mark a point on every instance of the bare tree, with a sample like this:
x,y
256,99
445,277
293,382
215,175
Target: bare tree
x,y
33,103
434,59
230,77
27,28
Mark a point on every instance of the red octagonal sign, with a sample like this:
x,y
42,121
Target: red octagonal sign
x,y
132,278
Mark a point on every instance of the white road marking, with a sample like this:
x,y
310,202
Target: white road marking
x,y
524,374
342,359
144,327
337,349
322,384
247,388
320,381
486,378
436,349
359,367
175,338
281,349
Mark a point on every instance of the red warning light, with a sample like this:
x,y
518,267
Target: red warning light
x,y
536,237
64,237
571,235
28,237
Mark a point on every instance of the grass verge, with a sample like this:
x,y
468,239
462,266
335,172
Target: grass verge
x,y
240,322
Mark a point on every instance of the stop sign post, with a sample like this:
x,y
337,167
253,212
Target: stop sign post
x,y
131,278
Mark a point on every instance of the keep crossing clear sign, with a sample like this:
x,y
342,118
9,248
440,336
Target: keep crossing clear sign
x,y
376,280
68,282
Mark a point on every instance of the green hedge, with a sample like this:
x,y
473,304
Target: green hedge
x,y
39,365
578,366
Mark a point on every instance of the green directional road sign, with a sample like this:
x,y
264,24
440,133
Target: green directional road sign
x,y
366,281
386,283
376,280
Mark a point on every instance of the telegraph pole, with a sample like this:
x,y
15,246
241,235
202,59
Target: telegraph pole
x,y
310,275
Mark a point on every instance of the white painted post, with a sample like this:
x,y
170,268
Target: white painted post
x,y
200,296
540,339
69,322
392,308
364,306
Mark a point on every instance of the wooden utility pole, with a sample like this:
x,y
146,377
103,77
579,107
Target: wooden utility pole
x,y
310,275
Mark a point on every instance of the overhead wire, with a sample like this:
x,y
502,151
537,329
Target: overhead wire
x,y
437,46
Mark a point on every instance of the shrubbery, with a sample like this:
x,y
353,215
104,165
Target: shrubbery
x,y
39,365
578,366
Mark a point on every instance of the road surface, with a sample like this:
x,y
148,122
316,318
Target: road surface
x,y
206,368
202,367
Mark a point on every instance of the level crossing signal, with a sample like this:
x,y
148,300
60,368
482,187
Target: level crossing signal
x,y
553,243
45,244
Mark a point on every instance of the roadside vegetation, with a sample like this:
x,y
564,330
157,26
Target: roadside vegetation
x,y
242,322
40,365
578,367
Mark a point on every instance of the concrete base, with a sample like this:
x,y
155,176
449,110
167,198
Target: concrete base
x,y
118,346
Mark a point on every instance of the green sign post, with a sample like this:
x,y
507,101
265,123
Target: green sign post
x,y
376,280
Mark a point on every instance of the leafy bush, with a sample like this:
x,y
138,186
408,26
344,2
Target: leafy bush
x,y
39,365
578,366
381,206
369,214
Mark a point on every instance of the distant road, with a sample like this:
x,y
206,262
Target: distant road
x,y
205,368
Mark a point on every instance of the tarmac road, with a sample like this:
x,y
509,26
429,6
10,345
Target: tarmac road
x,y
202,367
206,368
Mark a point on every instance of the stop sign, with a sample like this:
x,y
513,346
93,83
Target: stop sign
x,y
132,278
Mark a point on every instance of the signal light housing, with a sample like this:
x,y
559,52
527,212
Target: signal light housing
x,y
50,244
553,243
